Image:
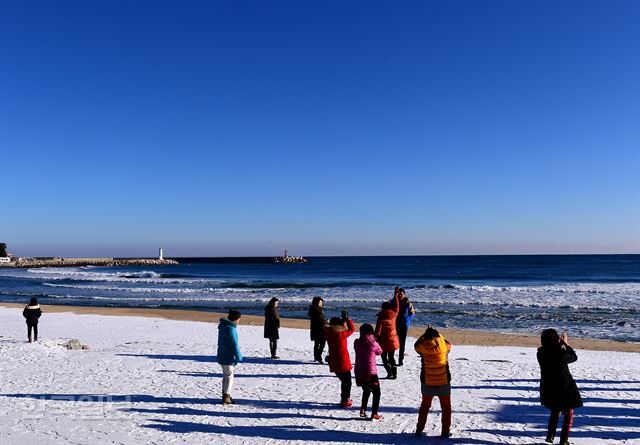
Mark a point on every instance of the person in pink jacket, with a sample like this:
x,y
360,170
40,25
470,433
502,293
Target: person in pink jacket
x,y
367,348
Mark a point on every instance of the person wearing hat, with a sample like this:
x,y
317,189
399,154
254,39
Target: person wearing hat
x,y
272,326
229,354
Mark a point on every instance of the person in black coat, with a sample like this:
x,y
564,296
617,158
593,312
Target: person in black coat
x,y
316,316
558,390
272,325
32,313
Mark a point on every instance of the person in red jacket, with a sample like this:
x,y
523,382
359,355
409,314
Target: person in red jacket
x,y
387,335
336,333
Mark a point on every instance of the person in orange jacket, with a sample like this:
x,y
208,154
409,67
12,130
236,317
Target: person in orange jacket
x,y
435,378
387,335
336,333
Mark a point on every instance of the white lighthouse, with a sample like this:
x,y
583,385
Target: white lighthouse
x,y
160,255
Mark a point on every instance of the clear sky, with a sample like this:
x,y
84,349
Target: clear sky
x,y
323,127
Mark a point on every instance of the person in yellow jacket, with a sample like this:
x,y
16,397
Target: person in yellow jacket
x,y
435,378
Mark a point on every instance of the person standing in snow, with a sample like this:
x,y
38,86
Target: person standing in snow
x,y
367,348
387,335
558,390
229,354
403,322
272,325
316,317
435,378
336,333
32,313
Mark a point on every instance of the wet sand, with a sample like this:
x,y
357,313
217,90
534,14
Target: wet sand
x,y
455,336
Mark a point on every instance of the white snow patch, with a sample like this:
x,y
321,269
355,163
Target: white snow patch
x,y
149,380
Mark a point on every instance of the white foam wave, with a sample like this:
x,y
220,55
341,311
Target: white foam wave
x,y
151,290
576,288
156,299
421,297
82,274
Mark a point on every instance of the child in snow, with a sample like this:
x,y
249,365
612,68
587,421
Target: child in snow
x,y
316,317
367,348
229,354
336,333
435,378
32,313
272,326
387,335
558,390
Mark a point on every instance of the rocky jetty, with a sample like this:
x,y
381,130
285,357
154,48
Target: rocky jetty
x,y
290,259
80,262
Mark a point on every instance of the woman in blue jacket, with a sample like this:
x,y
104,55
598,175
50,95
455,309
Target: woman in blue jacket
x,y
229,354
403,321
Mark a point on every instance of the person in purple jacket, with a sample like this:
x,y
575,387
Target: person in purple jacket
x,y
367,348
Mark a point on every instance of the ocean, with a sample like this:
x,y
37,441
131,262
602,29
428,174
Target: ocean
x,y
595,296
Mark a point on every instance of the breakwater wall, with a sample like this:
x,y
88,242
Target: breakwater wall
x,y
80,262
242,260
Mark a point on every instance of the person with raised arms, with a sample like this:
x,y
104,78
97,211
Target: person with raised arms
x,y
336,333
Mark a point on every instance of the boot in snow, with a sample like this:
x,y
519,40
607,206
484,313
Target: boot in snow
x,y
347,403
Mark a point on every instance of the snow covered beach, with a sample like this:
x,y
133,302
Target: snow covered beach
x,y
152,380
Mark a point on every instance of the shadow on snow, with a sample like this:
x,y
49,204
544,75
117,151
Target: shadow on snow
x,y
213,359
297,433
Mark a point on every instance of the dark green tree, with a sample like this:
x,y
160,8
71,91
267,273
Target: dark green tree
x,y
3,249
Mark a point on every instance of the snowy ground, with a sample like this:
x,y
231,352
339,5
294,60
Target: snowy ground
x,y
155,381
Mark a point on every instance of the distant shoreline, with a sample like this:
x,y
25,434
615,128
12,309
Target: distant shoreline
x,y
456,336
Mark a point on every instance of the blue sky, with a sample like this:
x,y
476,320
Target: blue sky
x,y
248,127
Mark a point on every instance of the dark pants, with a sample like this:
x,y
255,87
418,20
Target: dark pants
x,y
370,389
402,335
389,362
318,347
388,359
273,346
567,421
33,326
345,385
445,404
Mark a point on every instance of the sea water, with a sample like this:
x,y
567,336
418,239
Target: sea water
x,y
595,296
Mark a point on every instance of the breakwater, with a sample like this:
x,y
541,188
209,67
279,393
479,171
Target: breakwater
x,y
81,262
242,260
